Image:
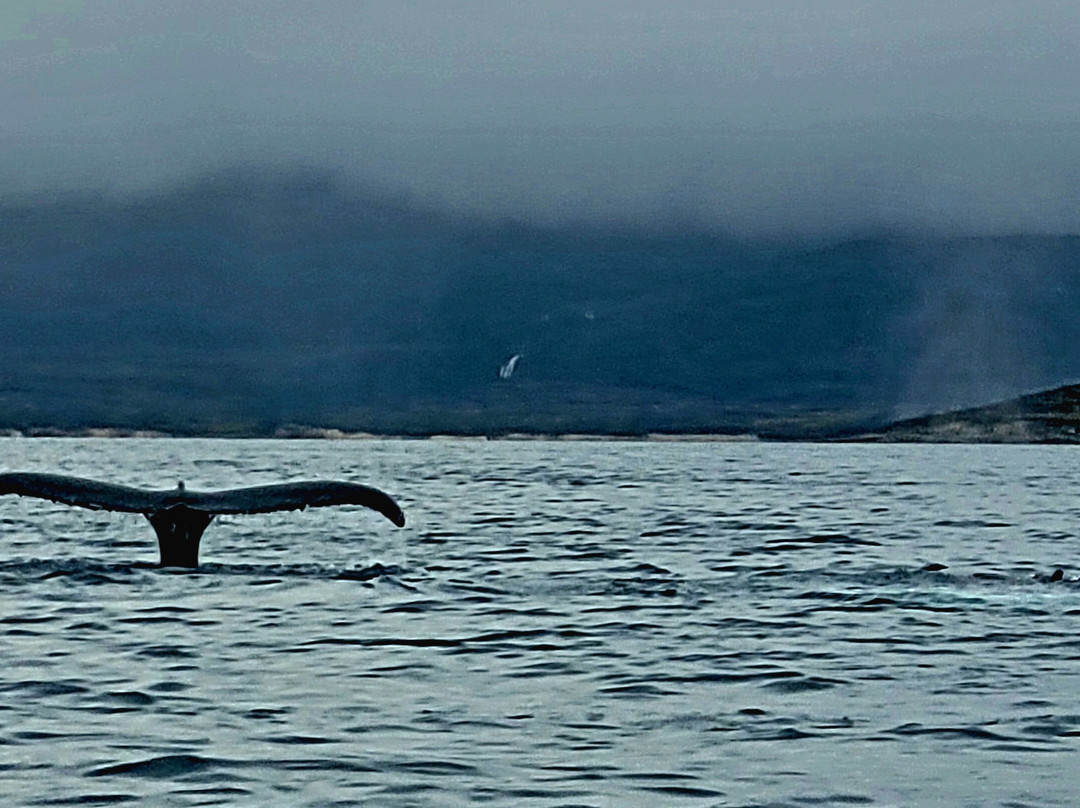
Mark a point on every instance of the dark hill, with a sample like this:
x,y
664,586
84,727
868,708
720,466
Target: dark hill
x,y
252,299
1052,416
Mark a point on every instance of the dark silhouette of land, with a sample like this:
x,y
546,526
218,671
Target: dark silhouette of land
x,y
1051,416
263,302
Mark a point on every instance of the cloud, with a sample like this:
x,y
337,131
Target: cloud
x,y
767,117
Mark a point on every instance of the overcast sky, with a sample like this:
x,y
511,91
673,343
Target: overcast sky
x,y
767,116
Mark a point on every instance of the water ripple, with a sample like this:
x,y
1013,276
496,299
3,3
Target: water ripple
x,y
560,624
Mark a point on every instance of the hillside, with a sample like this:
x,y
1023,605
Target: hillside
x,y
253,299
1051,416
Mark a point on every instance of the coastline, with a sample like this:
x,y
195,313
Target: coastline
x,y
1045,417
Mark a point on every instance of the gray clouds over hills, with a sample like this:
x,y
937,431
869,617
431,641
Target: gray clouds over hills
x,y
687,215
774,117
258,298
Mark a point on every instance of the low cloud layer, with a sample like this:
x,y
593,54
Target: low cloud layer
x,y
772,117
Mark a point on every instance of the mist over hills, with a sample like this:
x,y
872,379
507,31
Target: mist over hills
x,y
1049,416
253,298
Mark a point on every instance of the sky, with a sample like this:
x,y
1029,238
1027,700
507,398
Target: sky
x,y
765,117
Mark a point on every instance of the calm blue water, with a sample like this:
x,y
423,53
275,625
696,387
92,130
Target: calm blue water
x,y
559,624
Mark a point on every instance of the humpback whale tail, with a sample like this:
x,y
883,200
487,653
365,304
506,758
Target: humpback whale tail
x,y
180,516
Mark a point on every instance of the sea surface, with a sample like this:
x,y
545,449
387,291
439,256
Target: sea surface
x,y
558,624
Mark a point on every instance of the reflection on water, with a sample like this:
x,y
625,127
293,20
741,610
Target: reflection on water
x,y
559,624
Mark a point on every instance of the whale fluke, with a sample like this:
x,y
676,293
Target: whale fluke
x,y
180,516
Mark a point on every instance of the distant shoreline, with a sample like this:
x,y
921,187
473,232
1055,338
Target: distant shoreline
x,y
341,435
1047,417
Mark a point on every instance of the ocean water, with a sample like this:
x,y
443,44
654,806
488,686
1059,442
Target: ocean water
x,y
559,624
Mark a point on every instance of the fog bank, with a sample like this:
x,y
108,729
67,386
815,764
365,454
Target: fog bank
x,y
768,118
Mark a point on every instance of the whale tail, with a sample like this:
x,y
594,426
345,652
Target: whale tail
x,y
179,517
179,531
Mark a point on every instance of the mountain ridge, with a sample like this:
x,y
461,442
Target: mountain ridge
x,y
240,302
